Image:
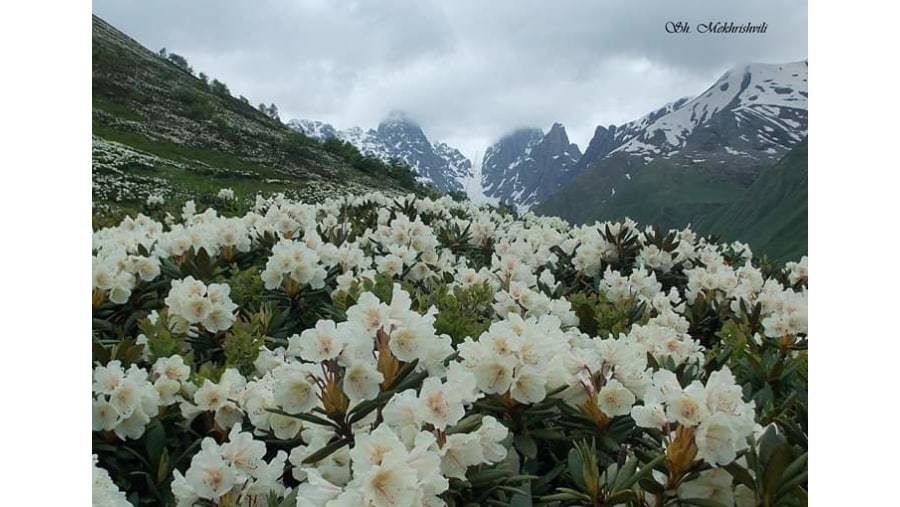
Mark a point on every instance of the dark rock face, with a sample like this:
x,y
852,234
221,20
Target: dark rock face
x,y
526,166
608,139
603,142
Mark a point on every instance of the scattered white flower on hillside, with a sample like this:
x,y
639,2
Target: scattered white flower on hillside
x,y
226,194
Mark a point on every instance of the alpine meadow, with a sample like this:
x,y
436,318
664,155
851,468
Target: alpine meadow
x,y
307,311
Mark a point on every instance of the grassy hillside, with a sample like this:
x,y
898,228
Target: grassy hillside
x,y
772,215
158,129
662,193
769,213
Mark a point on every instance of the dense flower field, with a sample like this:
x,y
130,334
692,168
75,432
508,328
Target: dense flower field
x,y
372,351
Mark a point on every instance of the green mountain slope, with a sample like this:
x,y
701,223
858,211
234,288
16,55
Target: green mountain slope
x,y
158,129
663,193
772,215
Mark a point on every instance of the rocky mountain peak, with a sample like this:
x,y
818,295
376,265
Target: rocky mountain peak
x,y
556,142
527,165
399,137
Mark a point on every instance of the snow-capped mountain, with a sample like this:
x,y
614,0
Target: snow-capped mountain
x,y
756,112
459,168
685,161
313,128
748,119
398,137
527,166
607,139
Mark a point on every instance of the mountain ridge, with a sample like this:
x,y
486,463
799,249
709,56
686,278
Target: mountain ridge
x,y
159,130
527,165
689,161
398,137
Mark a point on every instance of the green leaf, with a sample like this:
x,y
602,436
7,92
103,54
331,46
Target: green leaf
x,y
757,366
325,451
291,499
304,417
788,485
650,485
646,471
513,491
550,476
202,262
403,372
804,497
625,474
778,462
741,475
411,381
522,478
621,497
487,476
155,442
186,453
526,445
547,434
136,454
575,468
100,353
797,466
566,494
521,500
365,408
700,502
767,443
466,424
163,472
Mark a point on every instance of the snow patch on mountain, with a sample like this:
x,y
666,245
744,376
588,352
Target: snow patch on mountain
x,y
772,94
399,138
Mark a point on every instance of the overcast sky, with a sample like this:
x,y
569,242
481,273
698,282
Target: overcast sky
x,y
469,71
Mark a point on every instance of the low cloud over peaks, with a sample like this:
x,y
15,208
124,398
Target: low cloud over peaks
x,y
467,71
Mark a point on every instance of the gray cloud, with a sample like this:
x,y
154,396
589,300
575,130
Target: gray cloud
x,y
469,71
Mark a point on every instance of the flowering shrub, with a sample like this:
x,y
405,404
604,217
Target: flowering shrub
x,y
104,491
377,351
226,194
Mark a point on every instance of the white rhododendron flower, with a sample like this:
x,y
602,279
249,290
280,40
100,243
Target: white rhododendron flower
x,y
293,390
361,381
236,468
614,399
385,328
440,405
317,344
211,396
170,375
316,491
461,451
104,492
210,476
124,401
191,302
391,482
714,484
688,407
717,439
